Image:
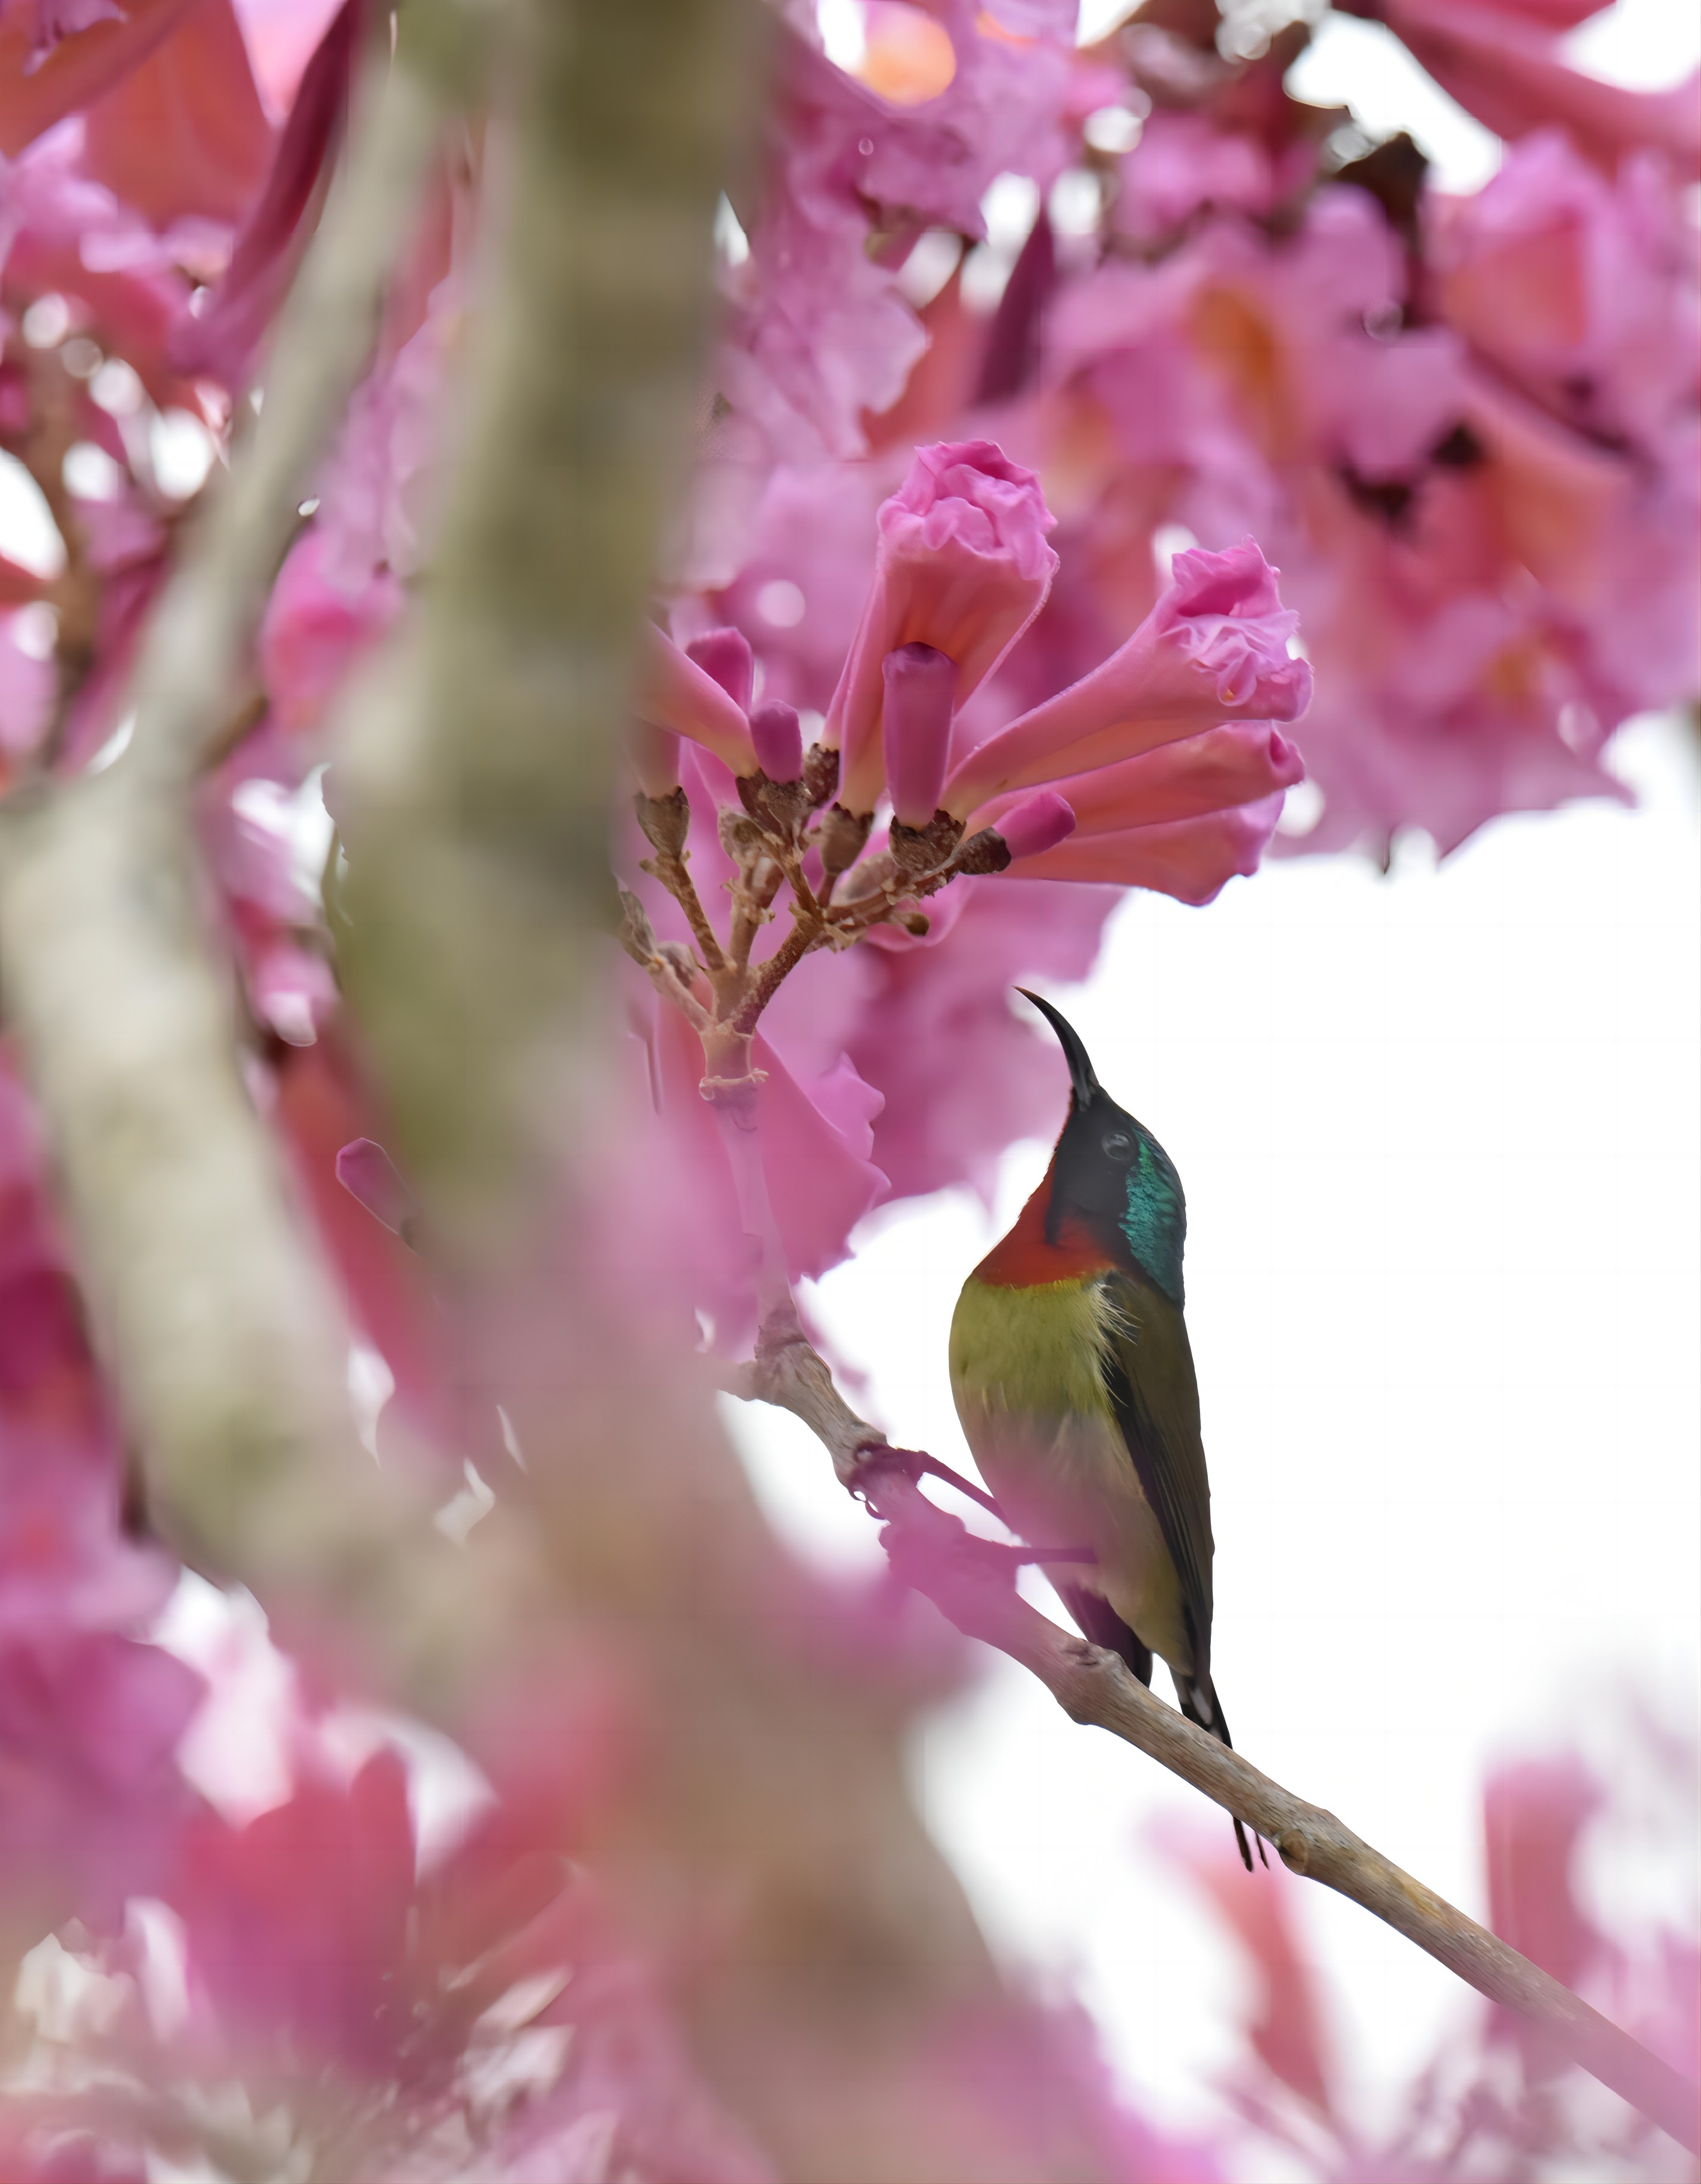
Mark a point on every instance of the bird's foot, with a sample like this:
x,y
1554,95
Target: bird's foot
x,y
914,1464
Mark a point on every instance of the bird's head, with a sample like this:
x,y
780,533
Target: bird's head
x,y
1110,1176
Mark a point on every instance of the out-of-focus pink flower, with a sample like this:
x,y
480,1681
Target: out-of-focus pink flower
x,y
963,565
374,488
315,628
91,1799
1489,523
1286,2031
56,57
1579,289
817,339
234,316
296,1924
71,236
184,135
1510,72
1213,648
1533,1814
1186,164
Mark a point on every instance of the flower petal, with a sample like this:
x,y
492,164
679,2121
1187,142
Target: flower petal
x,y
1191,859
1214,647
962,565
675,692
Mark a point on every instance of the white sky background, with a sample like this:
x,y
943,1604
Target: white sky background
x,y
1438,1135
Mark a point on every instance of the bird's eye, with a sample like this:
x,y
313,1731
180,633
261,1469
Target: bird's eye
x,y
1118,1144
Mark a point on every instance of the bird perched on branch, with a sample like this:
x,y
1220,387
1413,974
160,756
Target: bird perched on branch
x,y
1073,1380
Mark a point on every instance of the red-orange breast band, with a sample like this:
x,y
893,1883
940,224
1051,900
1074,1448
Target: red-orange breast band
x,y
1025,1261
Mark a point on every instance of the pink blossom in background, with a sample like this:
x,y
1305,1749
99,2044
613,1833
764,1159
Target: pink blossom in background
x,y
1493,2101
1504,63
817,337
316,627
91,1798
232,319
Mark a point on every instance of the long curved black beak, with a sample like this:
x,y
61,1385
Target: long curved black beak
x,y
1082,1082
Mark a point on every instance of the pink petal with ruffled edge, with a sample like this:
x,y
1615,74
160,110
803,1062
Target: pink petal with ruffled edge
x,y
1214,647
963,565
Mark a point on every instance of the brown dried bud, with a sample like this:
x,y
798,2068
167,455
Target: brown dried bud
x,y
666,820
915,925
780,806
637,934
985,852
924,849
820,774
844,835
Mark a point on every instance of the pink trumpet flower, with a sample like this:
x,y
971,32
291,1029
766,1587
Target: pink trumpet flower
x,y
1214,647
1191,860
1238,763
921,691
778,738
963,565
678,695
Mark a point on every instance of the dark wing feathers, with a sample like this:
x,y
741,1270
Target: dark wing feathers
x,y
1148,1370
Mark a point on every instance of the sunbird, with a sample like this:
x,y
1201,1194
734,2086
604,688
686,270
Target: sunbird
x,y
1075,1382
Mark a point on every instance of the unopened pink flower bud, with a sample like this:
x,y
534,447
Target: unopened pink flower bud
x,y
366,1172
675,693
921,691
725,654
779,741
1036,824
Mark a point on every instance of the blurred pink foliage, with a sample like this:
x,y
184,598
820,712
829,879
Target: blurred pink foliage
x,y
1485,519
1494,2102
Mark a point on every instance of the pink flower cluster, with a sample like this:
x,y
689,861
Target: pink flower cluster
x,y
1468,427
1161,768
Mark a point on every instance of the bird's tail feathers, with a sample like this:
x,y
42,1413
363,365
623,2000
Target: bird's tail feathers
x,y
1199,1704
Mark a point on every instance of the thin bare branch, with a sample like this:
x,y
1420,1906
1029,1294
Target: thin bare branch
x,y
933,1551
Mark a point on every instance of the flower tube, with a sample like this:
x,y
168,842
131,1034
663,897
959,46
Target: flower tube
x,y
962,565
921,690
1214,647
675,693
